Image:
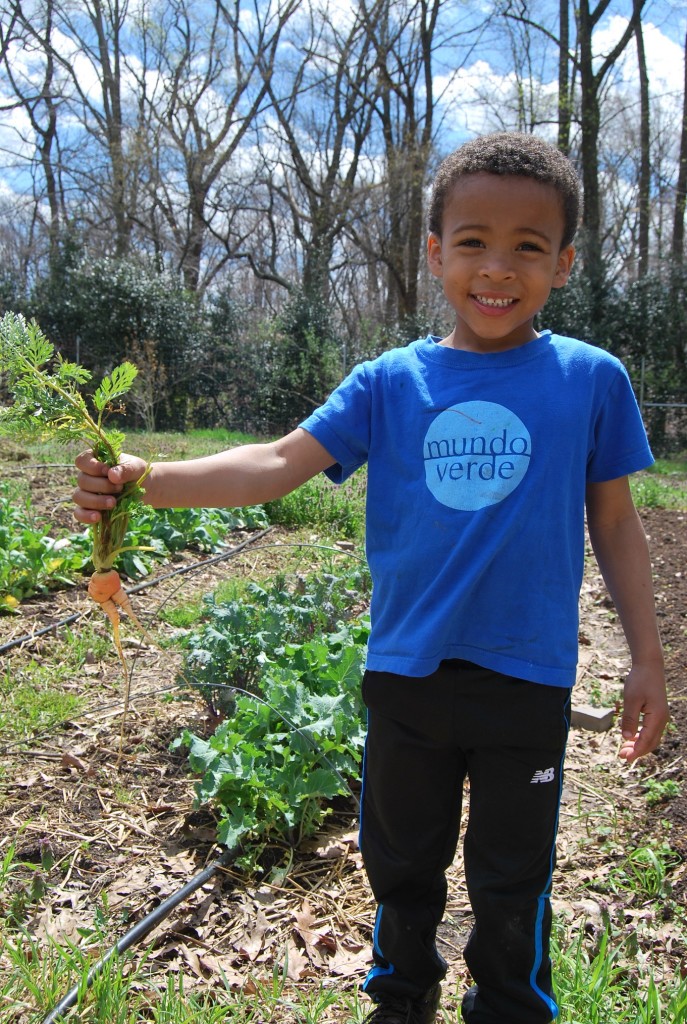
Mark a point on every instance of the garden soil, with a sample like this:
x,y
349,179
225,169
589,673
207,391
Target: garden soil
x,y
105,838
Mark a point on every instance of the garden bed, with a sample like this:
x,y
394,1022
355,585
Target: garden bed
x,y
104,839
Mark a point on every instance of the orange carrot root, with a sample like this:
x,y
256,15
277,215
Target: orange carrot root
x,y
102,585
121,598
106,588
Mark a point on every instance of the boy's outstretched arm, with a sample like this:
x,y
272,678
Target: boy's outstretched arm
x,y
621,549
248,475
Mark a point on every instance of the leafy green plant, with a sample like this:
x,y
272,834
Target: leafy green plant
x,y
284,749
645,871
31,561
240,634
321,504
272,764
203,529
658,791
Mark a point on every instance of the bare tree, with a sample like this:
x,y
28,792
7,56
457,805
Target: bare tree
x,y
215,64
407,37
593,73
311,152
105,172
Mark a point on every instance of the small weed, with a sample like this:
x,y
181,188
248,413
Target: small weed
x,y
659,791
645,871
600,695
610,983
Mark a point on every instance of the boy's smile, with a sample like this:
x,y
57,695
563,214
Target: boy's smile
x,y
498,257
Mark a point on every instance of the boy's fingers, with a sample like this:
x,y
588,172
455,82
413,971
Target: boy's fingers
x,y
642,739
87,463
86,516
89,505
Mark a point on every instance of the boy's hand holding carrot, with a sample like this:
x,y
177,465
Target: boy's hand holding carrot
x,y
98,485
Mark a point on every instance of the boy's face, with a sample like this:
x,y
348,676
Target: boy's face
x,y
498,256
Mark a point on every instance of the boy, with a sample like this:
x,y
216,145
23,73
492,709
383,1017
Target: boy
x,y
483,449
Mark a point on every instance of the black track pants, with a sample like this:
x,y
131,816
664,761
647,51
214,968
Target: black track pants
x,y
424,736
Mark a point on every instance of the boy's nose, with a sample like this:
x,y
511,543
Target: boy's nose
x,y
497,267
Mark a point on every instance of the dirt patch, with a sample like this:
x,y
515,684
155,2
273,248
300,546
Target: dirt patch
x,y
667,533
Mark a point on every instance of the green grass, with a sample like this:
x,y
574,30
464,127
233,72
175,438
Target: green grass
x,y
604,981
598,980
338,510
658,492
169,445
36,696
663,485
676,466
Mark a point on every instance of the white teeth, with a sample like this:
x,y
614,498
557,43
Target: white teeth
x,y
500,303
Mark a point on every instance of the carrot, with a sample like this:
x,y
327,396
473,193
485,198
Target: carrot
x,y
43,382
105,587
104,584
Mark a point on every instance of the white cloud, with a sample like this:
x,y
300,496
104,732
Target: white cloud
x,y
479,99
664,57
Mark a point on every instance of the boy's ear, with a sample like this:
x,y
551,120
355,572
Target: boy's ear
x,y
434,255
566,258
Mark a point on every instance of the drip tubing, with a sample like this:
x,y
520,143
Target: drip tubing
x,y
29,637
139,931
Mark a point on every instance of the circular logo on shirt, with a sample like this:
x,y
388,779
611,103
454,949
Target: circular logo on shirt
x,y
476,454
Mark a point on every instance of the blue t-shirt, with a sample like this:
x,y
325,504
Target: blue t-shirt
x,y
477,468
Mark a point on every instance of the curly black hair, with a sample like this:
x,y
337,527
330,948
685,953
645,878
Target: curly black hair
x,y
509,153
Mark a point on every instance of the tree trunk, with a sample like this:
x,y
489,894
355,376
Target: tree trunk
x,y
681,187
592,76
590,118
644,156
111,84
564,105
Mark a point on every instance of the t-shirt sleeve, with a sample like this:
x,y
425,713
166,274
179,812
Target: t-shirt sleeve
x,y
619,444
343,424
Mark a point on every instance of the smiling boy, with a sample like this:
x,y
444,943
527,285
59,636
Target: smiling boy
x,y
498,252
483,449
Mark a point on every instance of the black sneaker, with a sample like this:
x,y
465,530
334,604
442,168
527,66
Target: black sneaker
x,y
404,1010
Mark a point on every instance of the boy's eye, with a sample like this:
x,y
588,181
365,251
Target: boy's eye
x,y
470,243
530,247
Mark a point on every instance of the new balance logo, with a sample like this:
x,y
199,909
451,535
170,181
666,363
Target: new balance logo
x,y
547,775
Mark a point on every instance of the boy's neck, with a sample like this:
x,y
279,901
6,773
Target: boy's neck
x,y
487,346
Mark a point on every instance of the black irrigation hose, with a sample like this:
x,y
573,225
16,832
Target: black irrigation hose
x,y
29,637
139,931
18,641
148,923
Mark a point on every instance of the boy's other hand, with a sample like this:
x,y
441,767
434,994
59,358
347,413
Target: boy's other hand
x,y
645,712
98,485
